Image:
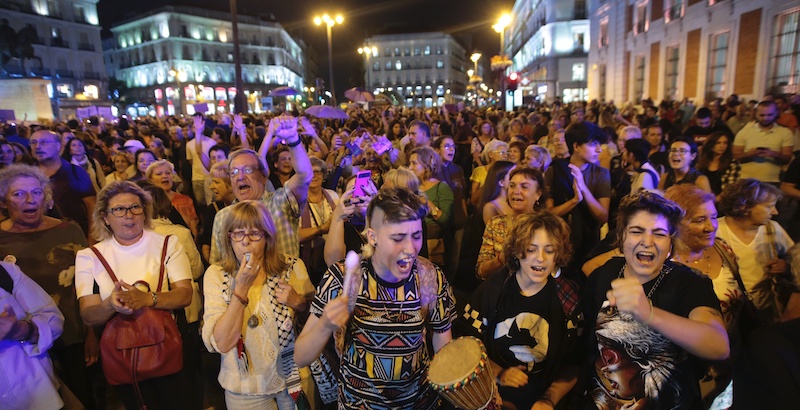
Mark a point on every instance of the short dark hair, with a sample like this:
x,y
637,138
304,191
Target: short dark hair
x,y
651,203
704,112
221,147
221,132
422,126
583,133
639,148
688,141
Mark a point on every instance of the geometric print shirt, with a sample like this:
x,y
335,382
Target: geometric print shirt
x,y
385,359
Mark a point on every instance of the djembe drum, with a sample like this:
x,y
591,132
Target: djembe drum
x,y
460,373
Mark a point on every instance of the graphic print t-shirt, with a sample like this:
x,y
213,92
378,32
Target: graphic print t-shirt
x,y
633,363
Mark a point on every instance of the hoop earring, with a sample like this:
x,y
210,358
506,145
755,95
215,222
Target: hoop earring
x,y
556,274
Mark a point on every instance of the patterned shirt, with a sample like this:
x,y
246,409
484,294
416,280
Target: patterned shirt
x,y
493,238
285,211
385,360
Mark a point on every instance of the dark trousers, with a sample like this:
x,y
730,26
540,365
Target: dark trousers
x,y
70,367
167,392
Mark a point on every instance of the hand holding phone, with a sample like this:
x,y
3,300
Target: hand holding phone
x,y
362,181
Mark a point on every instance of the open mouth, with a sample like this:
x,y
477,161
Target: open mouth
x,y
538,269
30,211
645,258
405,264
244,188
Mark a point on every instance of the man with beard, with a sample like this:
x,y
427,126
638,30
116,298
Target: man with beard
x,y
705,125
249,175
763,146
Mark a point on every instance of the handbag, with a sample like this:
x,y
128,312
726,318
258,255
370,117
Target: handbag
x,y
143,345
782,284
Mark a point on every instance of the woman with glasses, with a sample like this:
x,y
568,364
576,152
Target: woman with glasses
x,y
682,154
251,299
122,220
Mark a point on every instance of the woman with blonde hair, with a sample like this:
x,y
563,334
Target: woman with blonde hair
x,y
162,174
251,299
425,163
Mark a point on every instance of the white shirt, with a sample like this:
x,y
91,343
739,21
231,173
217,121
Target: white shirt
x,y
753,256
26,380
199,172
140,261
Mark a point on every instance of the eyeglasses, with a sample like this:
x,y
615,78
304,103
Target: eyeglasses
x,y
681,151
120,211
318,172
43,143
501,152
449,146
238,236
246,170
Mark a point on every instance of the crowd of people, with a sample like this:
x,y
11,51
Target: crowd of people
x,y
632,257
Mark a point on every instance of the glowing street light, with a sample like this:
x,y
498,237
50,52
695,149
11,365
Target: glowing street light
x,y
368,52
329,23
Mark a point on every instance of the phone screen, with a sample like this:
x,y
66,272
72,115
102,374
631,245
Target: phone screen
x,y
362,180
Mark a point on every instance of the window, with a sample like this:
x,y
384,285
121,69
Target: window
x,y
376,66
785,70
439,64
388,65
580,9
396,51
717,59
427,50
579,72
408,52
230,57
640,19
638,79
416,51
90,91
671,75
387,52
398,65
577,39
603,40
674,10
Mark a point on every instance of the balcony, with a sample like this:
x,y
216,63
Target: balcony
x,y
673,13
86,47
59,42
65,74
92,75
640,27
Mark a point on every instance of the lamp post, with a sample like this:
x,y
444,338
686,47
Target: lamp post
x,y
330,22
239,102
368,52
179,76
500,27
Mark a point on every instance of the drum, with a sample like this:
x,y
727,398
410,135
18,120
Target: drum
x,y
460,373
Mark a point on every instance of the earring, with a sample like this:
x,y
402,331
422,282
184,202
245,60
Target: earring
x,y
556,274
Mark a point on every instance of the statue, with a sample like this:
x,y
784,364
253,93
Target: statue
x,y
17,45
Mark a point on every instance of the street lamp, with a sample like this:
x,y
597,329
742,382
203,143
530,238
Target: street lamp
x,y
500,27
368,52
475,57
180,77
330,22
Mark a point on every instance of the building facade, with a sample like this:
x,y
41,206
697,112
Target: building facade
x,y
173,58
65,36
548,43
695,49
423,69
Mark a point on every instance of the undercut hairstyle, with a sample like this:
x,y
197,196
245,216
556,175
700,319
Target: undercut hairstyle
x,y
252,215
100,230
521,235
162,206
583,133
398,205
652,203
738,198
12,172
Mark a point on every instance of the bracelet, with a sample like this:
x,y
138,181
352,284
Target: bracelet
x,y
30,331
548,401
243,301
647,322
155,298
293,144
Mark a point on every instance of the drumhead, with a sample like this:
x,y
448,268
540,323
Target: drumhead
x,y
455,361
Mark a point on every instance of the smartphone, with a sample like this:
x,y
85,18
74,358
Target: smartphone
x,y
381,145
353,147
362,180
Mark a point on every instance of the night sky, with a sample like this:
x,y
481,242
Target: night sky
x,y
468,20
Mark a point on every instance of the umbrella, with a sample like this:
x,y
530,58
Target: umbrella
x,y
284,92
394,97
358,94
326,111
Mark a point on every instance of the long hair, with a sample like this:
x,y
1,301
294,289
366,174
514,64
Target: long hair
x,y
491,186
707,153
251,215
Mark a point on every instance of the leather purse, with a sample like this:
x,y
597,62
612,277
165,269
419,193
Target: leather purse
x,y
143,345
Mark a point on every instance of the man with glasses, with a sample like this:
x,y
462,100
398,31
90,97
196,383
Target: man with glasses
x,y
249,177
73,192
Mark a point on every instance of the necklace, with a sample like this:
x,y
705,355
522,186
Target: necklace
x,y
695,263
665,270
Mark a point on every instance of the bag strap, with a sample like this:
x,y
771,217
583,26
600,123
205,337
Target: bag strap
x,y
734,266
114,277
6,282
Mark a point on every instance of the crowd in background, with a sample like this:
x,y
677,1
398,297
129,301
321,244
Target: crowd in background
x,y
697,203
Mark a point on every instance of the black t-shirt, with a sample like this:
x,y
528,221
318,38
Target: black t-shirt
x,y
700,134
631,361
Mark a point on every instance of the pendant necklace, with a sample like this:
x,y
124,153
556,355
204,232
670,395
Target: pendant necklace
x,y
253,321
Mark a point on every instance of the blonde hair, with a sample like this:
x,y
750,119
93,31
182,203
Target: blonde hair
x,y
252,214
157,164
401,177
